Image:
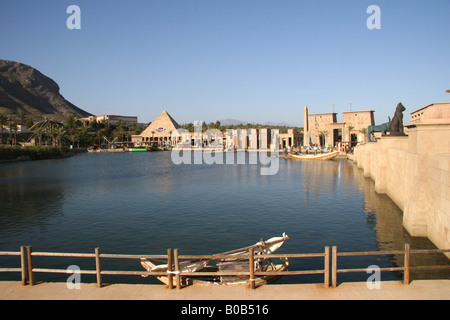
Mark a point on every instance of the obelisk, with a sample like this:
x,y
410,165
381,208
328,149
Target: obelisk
x,y
305,127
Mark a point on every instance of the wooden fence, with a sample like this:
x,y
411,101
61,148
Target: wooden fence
x,y
28,269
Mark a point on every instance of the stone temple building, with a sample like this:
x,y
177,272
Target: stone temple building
x,y
323,129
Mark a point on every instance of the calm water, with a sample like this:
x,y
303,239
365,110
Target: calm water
x,y
141,203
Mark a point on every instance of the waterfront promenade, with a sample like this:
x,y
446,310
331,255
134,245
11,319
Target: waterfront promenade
x,y
390,290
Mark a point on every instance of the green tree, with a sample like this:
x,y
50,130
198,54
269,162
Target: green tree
x,y
119,132
364,132
60,134
22,117
70,122
29,123
3,122
39,130
12,126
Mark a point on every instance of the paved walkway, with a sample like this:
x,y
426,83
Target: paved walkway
x,y
392,290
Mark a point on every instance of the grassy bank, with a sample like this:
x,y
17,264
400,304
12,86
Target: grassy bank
x,y
17,153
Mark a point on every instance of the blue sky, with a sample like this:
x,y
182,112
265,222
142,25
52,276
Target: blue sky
x,y
252,60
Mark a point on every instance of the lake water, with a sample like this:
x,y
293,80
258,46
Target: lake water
x,y
141,203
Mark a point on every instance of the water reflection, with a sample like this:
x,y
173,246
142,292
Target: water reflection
x,y
29,200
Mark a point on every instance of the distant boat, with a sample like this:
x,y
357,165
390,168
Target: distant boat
x,y
94,148
137,149
233,263
320,156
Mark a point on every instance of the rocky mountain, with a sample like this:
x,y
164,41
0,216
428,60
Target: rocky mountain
x,y
25,89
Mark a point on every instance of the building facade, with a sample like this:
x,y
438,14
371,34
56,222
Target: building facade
x,y
435,112
290,139
324,130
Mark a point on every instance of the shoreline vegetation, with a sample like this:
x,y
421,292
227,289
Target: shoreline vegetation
x,y
19,153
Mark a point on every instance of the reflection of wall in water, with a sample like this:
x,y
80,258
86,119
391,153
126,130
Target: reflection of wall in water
x,y
388,223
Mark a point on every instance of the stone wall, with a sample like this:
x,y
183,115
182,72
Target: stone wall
x,y
414,171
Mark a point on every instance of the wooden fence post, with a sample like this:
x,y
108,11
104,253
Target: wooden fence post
x,y
30,266
326,276
406,276
251,258
169,268
98,267
334,267
177,269
23,264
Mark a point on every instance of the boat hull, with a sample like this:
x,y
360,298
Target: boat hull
x,y
224,281
229,262
323,156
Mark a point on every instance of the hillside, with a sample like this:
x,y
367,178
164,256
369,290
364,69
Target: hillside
x,y
23,88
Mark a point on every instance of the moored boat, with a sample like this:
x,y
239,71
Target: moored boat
x,y
206,274
320,156
94,148
233,263
137,149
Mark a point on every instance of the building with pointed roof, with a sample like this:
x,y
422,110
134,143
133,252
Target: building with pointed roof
x,y
159,132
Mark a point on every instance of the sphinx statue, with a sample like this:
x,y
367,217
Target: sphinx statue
x,y
396,127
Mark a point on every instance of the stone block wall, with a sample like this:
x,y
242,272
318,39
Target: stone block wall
x,y
414,171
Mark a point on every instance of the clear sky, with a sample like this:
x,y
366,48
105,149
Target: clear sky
x,y
252,60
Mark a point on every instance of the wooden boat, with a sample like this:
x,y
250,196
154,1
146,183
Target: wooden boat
x,y
233,263
320,156
265,266
186,266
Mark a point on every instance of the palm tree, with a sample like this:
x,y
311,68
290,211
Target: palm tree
x,y
39,130
119,132
364,132
100,134
350,129
60,133
22,115
52,131
12,125
3,122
